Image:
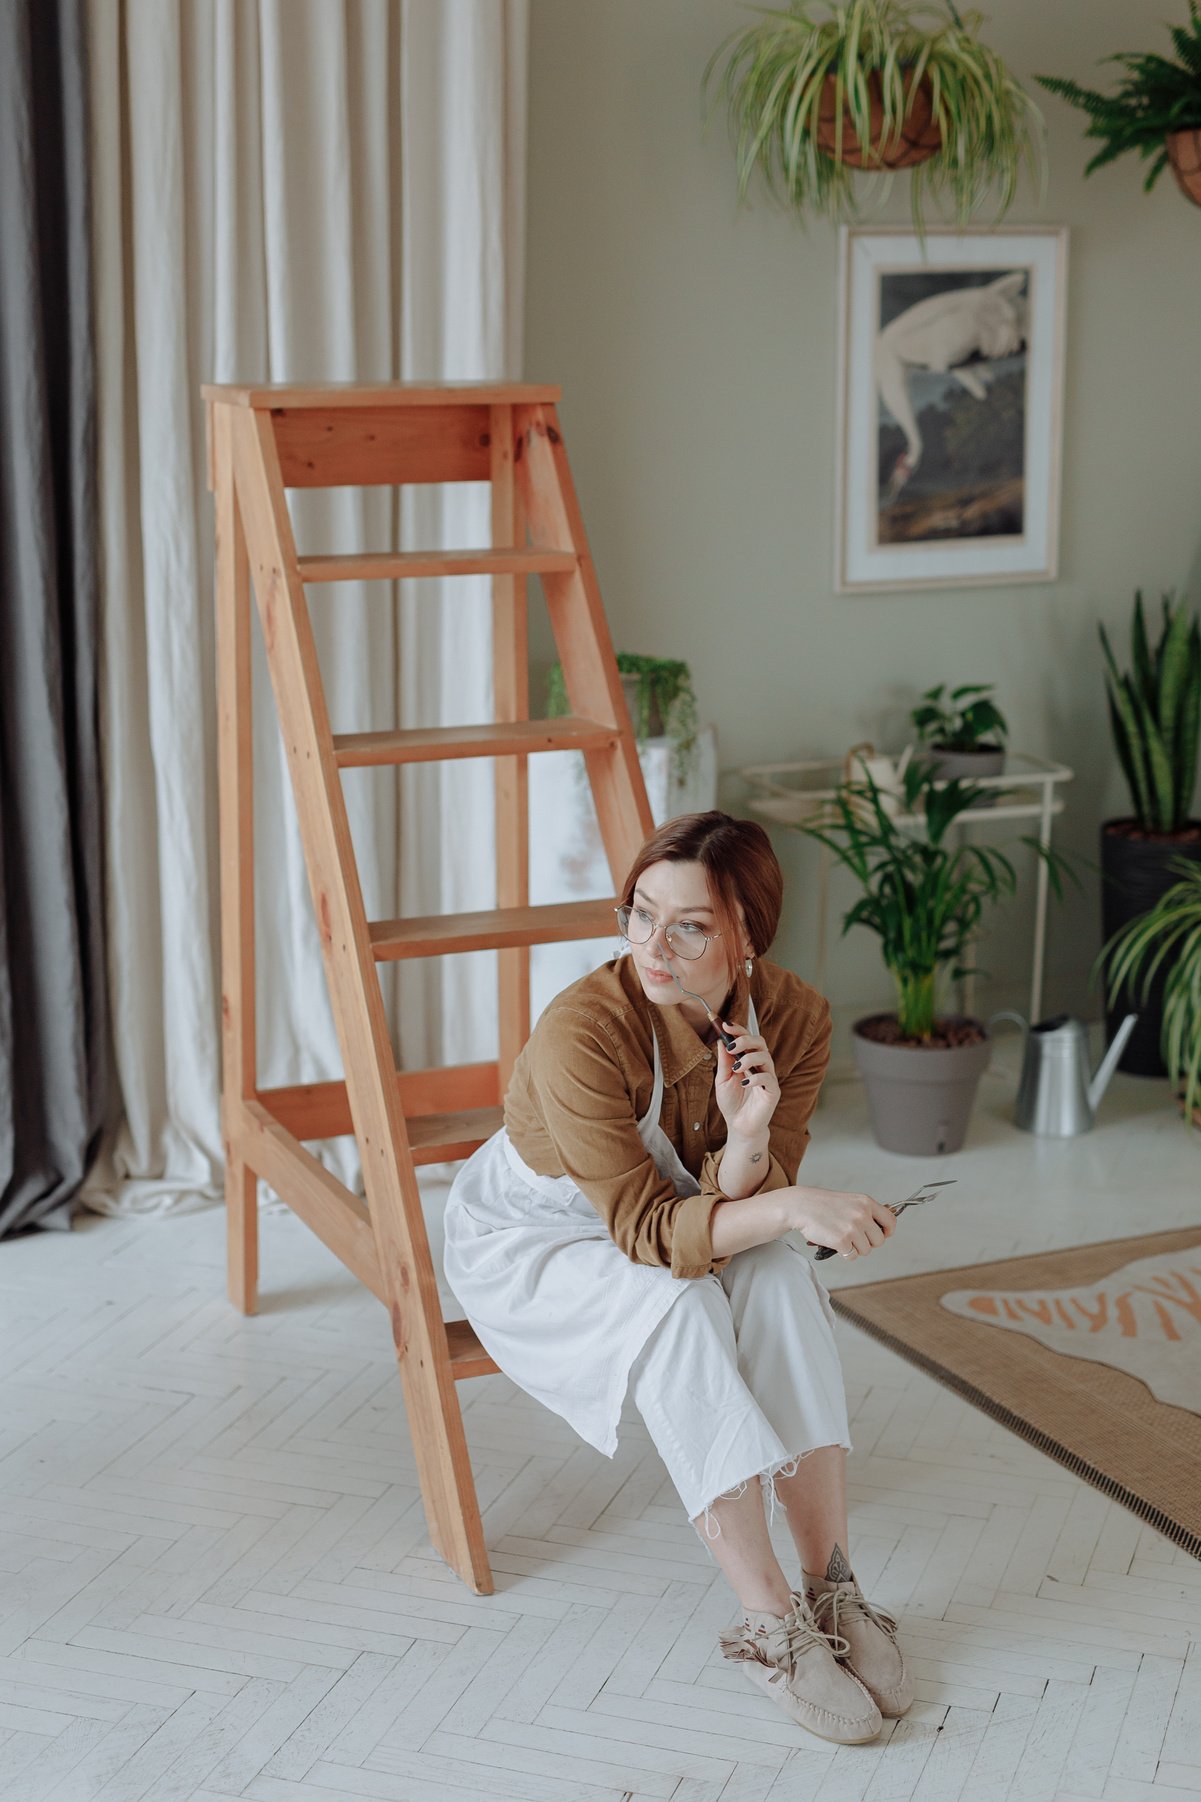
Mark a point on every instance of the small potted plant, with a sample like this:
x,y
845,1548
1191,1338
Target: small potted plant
x,y
1155,713
963,735
1155,109
924,897
874,85
659,698
1167,938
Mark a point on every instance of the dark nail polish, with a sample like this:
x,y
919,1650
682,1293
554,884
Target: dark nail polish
x,y
745,1080
738,1063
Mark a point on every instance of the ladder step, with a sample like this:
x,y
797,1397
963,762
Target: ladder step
x,y
444,1138
467,1356
438,935
499,738
385,566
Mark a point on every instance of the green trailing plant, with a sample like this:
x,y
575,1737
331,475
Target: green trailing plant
x,y
1167,937
879,54
662,683
1155,710
965,721
1155,96
922,895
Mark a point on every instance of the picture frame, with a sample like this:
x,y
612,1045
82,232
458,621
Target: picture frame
x,y
950,406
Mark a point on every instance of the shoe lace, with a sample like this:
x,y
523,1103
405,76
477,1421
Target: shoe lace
x,y
847,1604
799,1632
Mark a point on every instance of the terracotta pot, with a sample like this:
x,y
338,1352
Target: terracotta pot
x,y
918,138
1184,154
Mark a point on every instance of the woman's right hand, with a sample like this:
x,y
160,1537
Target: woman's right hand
x,y
851,1224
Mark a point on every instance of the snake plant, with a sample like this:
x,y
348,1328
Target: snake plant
x,y
1155,709
773,76
1169,934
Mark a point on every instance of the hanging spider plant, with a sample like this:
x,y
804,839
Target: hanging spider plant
x,y
875,85
1168,938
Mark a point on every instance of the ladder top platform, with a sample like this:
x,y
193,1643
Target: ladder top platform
x,y
381,394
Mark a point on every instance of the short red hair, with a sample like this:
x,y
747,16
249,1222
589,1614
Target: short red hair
x,y
740,864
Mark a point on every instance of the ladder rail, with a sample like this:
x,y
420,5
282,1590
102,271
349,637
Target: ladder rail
x,y
394,1201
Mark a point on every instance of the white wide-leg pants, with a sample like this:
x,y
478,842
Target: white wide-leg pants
x,y
741,1378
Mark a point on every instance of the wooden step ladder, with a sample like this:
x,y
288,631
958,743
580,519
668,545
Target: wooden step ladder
x,y
263,441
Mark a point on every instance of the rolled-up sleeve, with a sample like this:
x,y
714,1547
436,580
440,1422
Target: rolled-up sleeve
x,y
584,1099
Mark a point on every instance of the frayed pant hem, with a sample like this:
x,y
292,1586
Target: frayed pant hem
x,y
783,1467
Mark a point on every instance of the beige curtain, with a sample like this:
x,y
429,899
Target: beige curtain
x,y
287,190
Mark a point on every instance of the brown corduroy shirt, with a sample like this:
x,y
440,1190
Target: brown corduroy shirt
x,y
584,1081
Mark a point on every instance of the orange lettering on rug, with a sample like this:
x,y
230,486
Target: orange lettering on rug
x,y
1097,1316
1127,1324
1039,1310
1166,1321
983,1304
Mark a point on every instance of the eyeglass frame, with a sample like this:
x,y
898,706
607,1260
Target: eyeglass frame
x,y
657,926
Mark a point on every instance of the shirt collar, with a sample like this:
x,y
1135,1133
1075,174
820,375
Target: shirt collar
x,y
681,1047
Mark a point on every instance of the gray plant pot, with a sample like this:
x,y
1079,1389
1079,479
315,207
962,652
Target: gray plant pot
x,y
967,766
919,1099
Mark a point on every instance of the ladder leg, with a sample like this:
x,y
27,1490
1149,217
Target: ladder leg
x,y
235,771
511,701
581,631
389,1176
241,1232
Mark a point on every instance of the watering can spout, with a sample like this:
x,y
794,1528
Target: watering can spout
x,y
1109,1062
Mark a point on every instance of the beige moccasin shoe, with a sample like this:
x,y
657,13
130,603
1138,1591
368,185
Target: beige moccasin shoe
x,y
787,1657
845,1615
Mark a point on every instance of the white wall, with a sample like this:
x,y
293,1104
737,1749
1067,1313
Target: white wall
x,y
696,347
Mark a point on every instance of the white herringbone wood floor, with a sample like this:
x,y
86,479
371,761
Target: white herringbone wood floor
x,y
215,1579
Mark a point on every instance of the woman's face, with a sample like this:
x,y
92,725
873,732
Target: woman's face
x,y
671,894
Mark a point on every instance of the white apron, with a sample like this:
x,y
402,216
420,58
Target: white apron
x,y
554,1302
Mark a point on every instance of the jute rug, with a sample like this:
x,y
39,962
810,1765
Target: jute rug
x,y
1036,1343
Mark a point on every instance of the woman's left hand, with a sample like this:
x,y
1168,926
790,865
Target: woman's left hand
x,y
746,1087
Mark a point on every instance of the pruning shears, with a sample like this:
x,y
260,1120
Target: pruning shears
x,y
923,1192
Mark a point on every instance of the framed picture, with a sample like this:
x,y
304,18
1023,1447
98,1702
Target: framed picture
x,y
950,407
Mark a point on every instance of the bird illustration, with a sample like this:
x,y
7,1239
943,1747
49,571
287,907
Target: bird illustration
x,y
952,333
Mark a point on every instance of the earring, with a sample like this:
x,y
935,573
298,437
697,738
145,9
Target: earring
x,y
748,966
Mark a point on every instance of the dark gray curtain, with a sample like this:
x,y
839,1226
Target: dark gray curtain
x,y
53,1025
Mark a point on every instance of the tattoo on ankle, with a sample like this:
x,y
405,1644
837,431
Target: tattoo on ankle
x,y
838,1570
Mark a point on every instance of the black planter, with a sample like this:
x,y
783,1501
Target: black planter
x,y
1136,874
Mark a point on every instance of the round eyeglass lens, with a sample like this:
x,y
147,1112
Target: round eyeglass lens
x,y
685,938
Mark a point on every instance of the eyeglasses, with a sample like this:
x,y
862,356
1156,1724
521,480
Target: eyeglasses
x,y
685,937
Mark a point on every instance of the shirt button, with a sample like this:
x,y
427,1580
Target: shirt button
x,y
696,1126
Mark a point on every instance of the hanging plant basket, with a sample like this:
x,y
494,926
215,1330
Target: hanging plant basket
x,y
1184,155
915,141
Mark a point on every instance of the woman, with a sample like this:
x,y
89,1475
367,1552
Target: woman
x,y
624,1232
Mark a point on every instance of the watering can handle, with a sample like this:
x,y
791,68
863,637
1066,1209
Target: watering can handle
x,y
1005,1014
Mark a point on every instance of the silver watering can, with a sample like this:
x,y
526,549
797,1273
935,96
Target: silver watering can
x,y
1057,1094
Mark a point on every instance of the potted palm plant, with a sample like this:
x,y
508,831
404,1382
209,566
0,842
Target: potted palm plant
x,y
874,85
1155,713
923,896
1154,110
1167,938
963,735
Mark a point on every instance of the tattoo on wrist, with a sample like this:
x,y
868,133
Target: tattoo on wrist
x,y
756,1157
839,1570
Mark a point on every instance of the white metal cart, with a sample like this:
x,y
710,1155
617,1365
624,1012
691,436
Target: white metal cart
x,y
788,794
